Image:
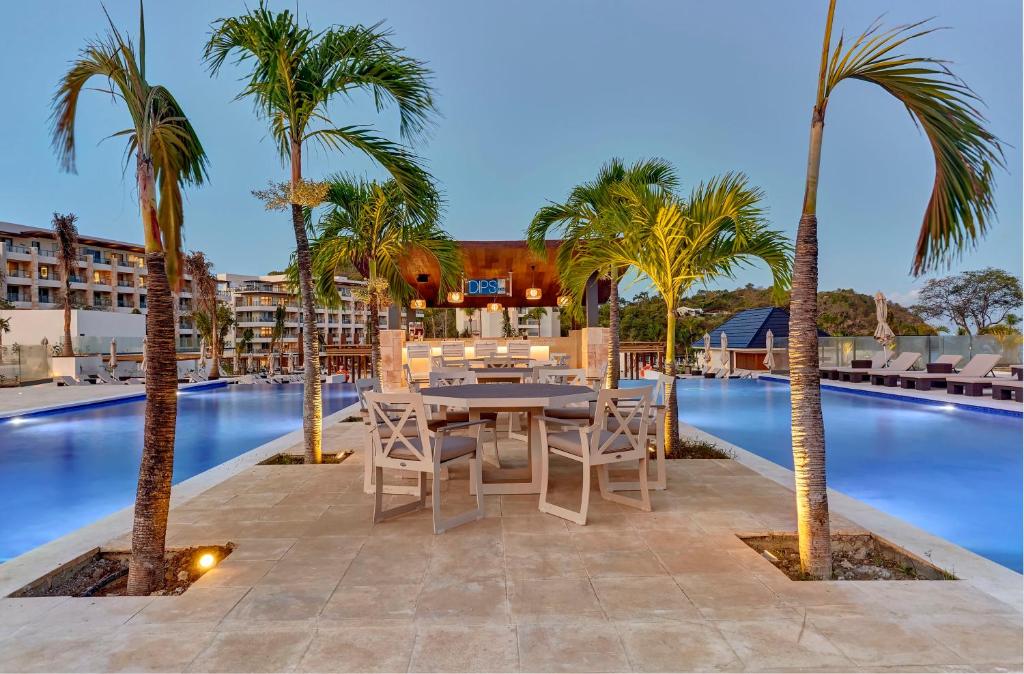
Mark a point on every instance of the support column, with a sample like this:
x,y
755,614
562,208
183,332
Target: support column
x,y
594,343
590,300
392,377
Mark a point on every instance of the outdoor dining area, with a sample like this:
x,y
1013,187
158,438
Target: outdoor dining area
x,y
505,420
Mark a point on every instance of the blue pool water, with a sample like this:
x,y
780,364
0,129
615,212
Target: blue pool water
x,y
63,471
952,472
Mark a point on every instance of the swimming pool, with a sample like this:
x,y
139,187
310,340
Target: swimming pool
x,y
62,471
950,471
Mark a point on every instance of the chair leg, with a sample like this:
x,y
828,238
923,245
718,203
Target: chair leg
x,y
443,524
643,503
579,517
380,514
494,436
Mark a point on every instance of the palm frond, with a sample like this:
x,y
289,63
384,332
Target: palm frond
x,y
961,205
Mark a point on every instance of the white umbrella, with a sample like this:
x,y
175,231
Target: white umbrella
x,y
707,351
142,365
202,355
724,351
883,333
769,358
113,354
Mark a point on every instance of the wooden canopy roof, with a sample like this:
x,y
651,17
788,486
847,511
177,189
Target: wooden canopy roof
x,y
491,260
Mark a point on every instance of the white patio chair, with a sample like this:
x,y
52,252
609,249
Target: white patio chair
x,y
656,420
486,349
453,353
364,387
418,359
519,348
401,440
599,445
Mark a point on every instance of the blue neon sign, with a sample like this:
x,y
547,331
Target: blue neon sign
x,y
487,286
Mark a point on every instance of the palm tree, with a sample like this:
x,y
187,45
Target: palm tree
x,y
244,344
294,74
5,327
66,234
588,214
168,155
205,328
376,227
204,290
676,242
958,212
469,313
276,335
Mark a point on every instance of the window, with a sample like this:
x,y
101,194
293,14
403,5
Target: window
x,y
44,295
44,272
96,277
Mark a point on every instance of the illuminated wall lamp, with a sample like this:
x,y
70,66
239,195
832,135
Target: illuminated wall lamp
x,y
494,307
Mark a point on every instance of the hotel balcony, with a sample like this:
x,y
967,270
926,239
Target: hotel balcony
x,y
19,277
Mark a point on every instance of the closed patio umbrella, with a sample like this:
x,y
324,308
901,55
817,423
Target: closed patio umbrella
x,y
145,347
113,355
202,355
707,351
883,333
723,355
769,358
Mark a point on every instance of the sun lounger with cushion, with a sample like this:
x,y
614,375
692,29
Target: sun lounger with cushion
x,y
968,386
888,376
878,360
65,380
1005,389
979,366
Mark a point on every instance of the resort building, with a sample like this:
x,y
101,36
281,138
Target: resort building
x,y
110,276
746,340
254,300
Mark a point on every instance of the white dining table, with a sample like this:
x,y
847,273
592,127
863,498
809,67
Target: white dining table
x,y
528,398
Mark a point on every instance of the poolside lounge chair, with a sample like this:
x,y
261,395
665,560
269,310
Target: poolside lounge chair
x,y
65,380
888,375
1005,389
105,378
596,445
878,361
401,440
979,366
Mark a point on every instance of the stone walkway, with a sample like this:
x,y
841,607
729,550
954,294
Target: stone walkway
x,y
314,586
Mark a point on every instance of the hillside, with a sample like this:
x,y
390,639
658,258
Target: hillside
x,y
841,312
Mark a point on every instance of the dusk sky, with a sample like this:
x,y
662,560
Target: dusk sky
x,y
534,96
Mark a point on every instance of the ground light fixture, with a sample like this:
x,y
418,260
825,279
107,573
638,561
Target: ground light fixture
x,y
206,561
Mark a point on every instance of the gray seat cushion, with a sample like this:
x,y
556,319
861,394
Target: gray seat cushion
x,y
569,441
454,447
456,416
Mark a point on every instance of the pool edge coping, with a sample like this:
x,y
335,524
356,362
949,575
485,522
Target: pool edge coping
x,y
18,571
902,397
981,573
46,410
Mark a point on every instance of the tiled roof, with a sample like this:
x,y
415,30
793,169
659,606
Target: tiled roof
x,y
749,328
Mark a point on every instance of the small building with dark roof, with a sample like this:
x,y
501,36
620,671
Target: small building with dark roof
x,y
746,339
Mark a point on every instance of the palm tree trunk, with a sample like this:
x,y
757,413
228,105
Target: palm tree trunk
x,y
612,380
808,427
312,402
153,495
373,324
672,441
214,343
68,349
152,500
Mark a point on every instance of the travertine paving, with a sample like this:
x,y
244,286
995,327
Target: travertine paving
x,y
314,586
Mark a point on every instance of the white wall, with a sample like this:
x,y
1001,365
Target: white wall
x,y
93,329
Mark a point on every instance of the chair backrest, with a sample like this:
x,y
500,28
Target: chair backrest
x,y
661,387
398,422
519,348
485,349
621,406
602,372
949,359
410,380
980,365
904,361
456,350
417,350
452,377
880,358
551,375
364,386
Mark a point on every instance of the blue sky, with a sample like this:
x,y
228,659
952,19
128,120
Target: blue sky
x,y
534,96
